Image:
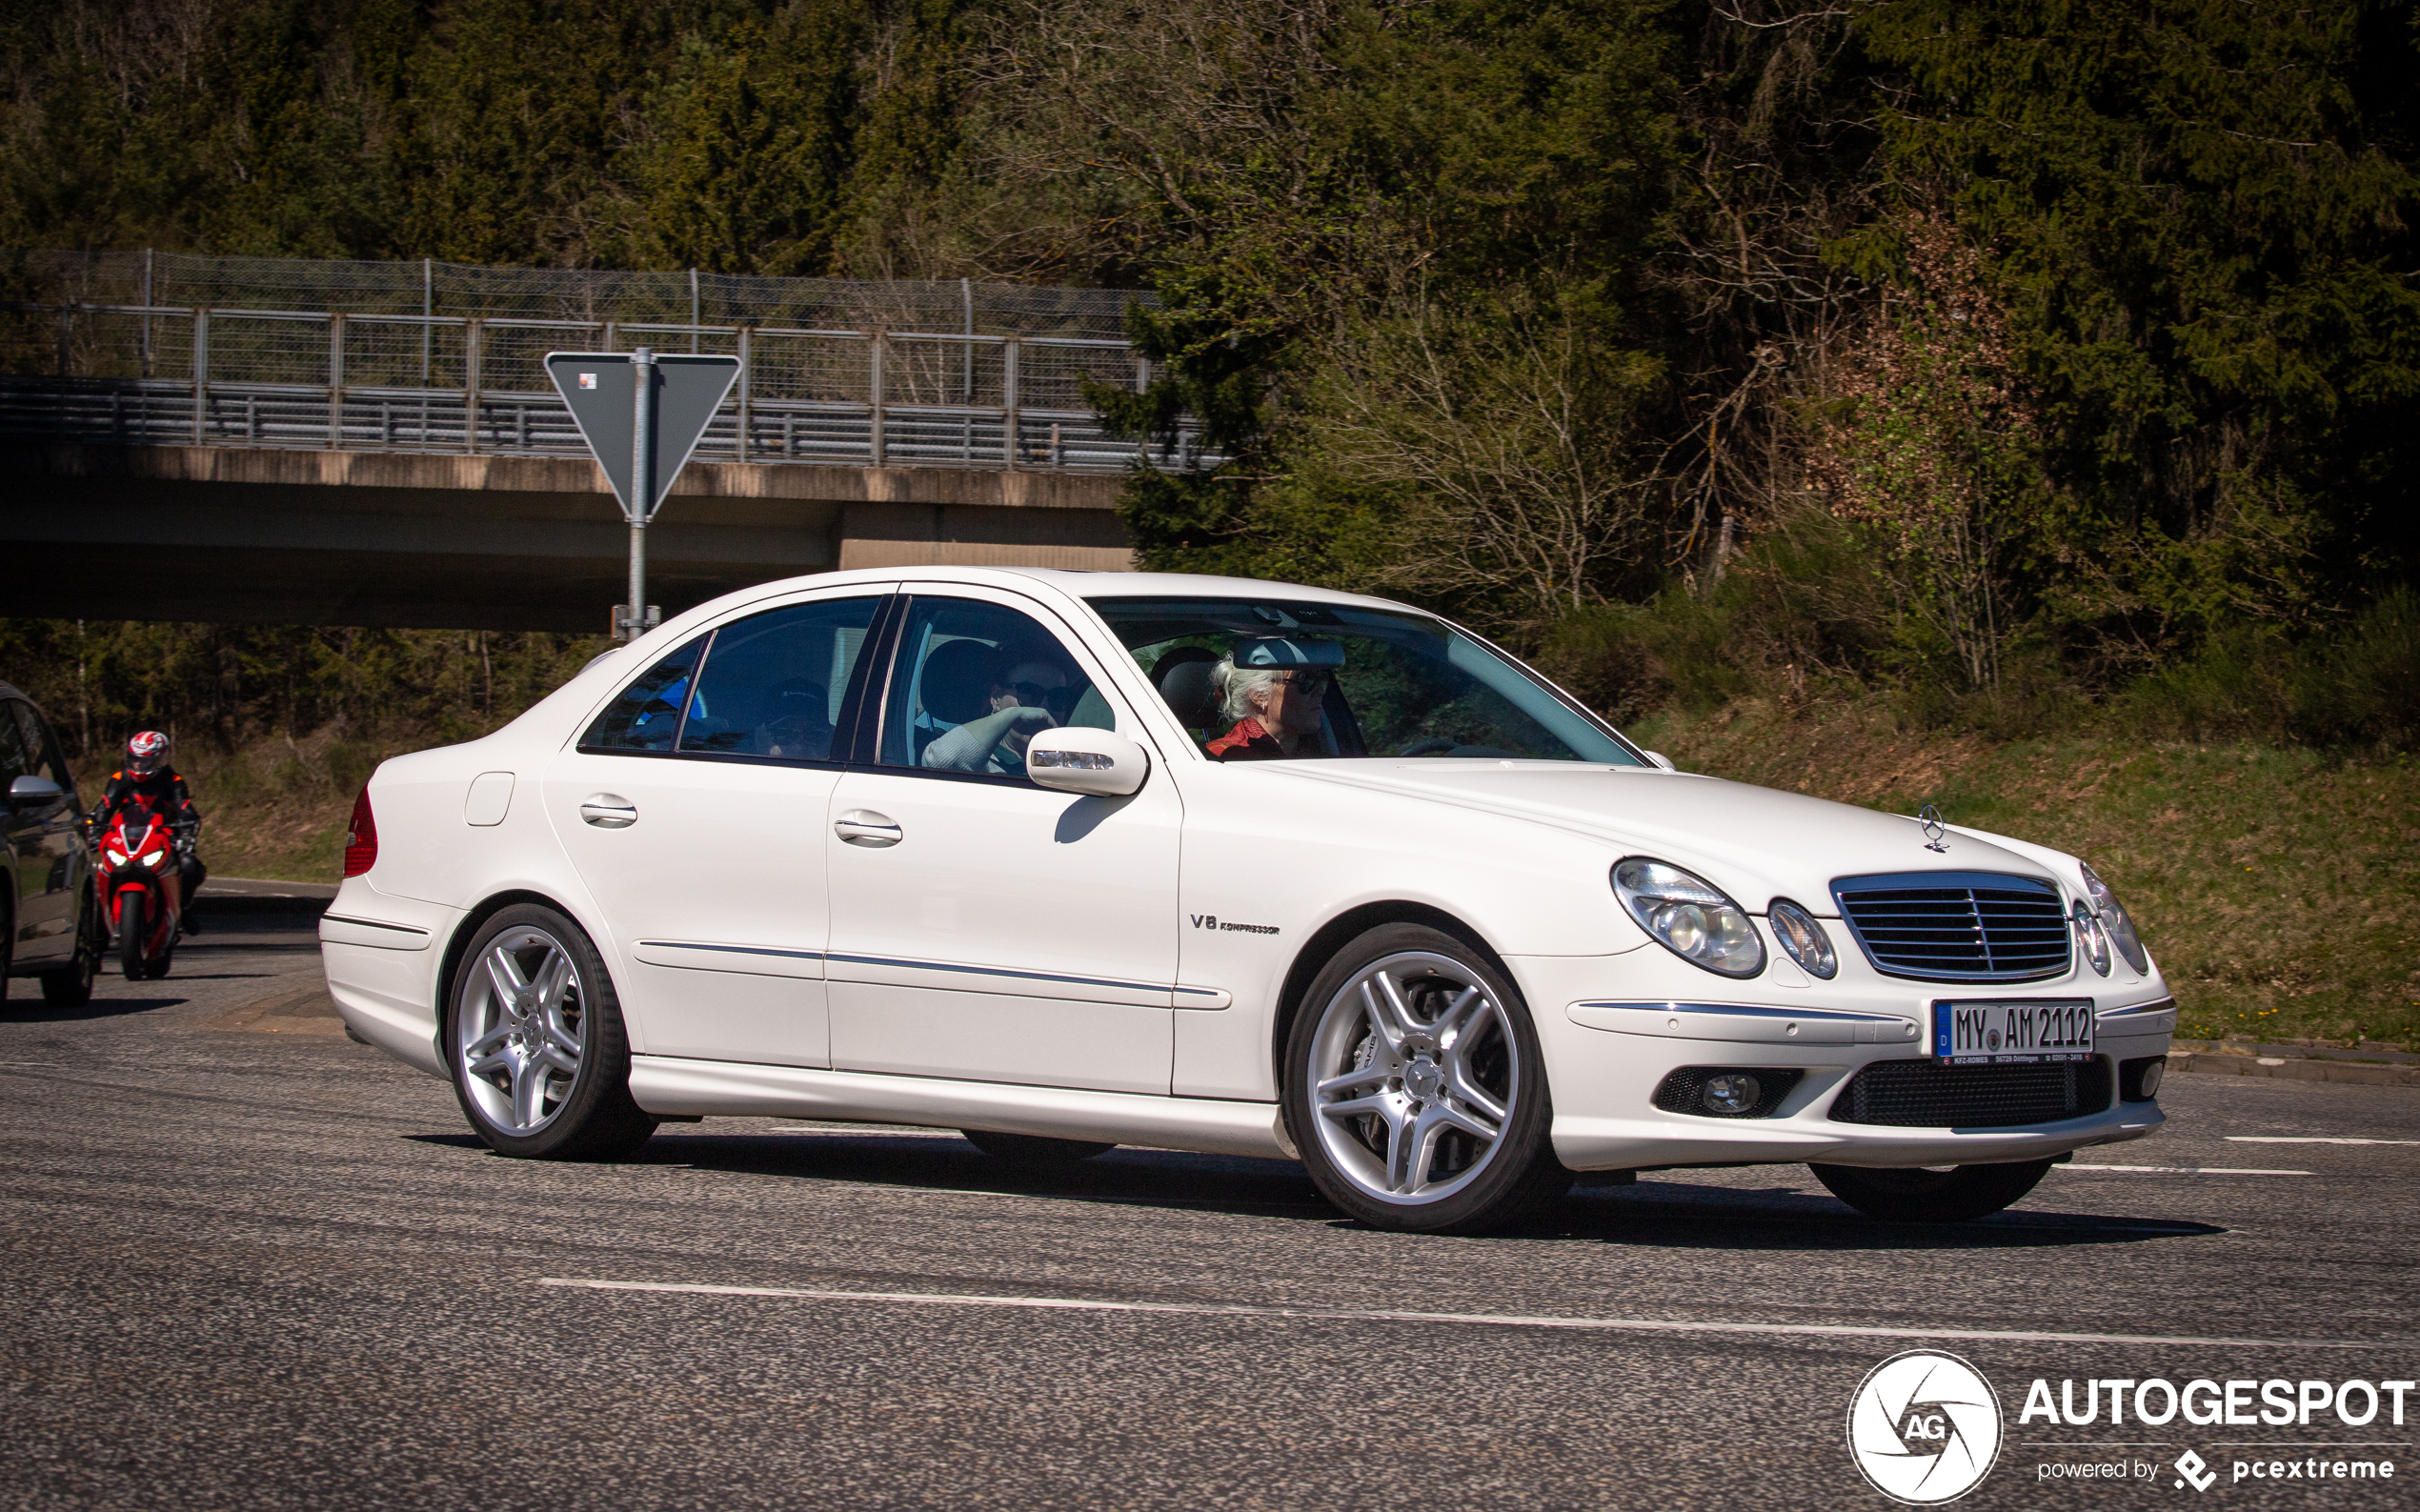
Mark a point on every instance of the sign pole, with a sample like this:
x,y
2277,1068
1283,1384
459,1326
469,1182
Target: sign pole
x,y
642,484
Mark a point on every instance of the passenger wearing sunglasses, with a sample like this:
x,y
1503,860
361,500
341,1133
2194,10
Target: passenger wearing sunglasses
x,y
1026,697
1275,710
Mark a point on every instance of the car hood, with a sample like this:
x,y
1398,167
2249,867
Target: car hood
x,y
1755,843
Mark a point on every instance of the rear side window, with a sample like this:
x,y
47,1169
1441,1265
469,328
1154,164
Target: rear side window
x,y
647,716
773,682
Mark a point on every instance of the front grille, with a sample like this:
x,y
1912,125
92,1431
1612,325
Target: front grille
x,y
1957,926
1927,1094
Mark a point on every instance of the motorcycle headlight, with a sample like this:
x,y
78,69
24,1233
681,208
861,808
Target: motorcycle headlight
x,y
1690,916
2091,938
2118,922
1803,939
153,857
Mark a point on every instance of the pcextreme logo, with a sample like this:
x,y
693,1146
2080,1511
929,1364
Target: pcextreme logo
x,y
1924,1428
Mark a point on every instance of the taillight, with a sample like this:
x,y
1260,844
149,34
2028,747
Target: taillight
x,y
361,837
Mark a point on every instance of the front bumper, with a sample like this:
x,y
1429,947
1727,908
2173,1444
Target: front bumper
x,y
1606,1053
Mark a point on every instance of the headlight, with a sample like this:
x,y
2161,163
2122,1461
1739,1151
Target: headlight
x,y
1690,917
1803,939
151,858
2091,938
2119,923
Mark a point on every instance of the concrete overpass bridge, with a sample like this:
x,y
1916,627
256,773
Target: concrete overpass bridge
x,y
257,440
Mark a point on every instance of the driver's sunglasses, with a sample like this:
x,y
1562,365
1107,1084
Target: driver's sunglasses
x,y
1032,694
1309,684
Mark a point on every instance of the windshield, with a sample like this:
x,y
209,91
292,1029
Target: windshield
x,y
1262,680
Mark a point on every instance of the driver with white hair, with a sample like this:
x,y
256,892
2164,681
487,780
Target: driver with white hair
x,y
1274,690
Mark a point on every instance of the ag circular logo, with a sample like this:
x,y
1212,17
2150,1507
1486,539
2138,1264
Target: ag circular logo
x,y
1924,1427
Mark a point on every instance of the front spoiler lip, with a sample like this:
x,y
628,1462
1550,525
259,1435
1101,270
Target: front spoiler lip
x,y
1584,1143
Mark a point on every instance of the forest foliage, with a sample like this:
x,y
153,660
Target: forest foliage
x,y
2013,355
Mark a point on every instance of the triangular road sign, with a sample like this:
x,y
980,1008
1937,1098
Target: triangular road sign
x,y
598,388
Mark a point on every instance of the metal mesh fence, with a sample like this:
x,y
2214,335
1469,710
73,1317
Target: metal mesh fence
x,y
588,296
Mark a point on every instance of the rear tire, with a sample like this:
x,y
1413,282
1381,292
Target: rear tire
x,y
534,1043
70,986
1960,1195
1033,1149
1415,1089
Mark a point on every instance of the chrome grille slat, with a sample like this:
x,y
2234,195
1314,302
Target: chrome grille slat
x,y
1957,926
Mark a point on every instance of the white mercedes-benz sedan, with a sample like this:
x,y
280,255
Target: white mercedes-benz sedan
x,y
1067,860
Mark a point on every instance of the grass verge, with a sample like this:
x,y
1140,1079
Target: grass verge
x,y
2278,889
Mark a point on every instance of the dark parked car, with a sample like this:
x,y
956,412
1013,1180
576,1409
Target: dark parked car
x,y
49,926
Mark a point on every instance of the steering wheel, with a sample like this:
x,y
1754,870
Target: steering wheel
x,y
1436,745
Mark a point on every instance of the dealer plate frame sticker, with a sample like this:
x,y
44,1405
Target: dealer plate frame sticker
x,y
2013,1031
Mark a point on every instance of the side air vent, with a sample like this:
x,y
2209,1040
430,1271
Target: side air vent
x,y
1957,926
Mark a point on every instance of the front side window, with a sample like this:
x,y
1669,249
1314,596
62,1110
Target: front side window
x,y
41,752
12,761
974,682
773,682
646,718
1279,680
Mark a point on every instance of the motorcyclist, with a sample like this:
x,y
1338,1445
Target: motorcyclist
x,y
149,782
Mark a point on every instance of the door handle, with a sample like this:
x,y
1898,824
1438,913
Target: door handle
x,y
608,811
867,828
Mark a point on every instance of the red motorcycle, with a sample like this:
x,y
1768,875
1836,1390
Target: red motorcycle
x,y
144,889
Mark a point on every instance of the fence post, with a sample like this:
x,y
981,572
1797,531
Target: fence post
x,y
336,379
1008,404
67,334
875,450
747,368
201,375
472,330
427,311
147,311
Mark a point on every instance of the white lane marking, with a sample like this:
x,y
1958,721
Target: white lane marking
x,y
2185,1169
2308,1139
1359,1315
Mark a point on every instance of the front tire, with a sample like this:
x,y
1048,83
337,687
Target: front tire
x,y
535,1042
133,928
1415,1090
1033,1149
1958,1195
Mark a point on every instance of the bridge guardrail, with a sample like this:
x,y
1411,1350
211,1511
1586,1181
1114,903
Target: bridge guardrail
x,y
174,376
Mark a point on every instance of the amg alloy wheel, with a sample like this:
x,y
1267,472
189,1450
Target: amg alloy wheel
x,y
1415,1090
1954,1194
535,1045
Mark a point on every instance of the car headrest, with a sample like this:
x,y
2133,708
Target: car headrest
x,y
1184,680
956,683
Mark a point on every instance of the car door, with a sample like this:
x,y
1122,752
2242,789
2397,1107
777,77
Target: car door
x,y
43,841
693,809
982,927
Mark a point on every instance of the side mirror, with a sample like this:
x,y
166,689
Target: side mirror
x,y
29,788
1098,763
1662,761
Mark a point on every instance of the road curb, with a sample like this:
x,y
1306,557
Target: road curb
x,y
2285,1069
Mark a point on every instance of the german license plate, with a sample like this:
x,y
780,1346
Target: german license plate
x,y
2003,1033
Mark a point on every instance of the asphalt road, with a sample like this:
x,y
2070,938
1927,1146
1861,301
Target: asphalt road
x,y
249,1263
